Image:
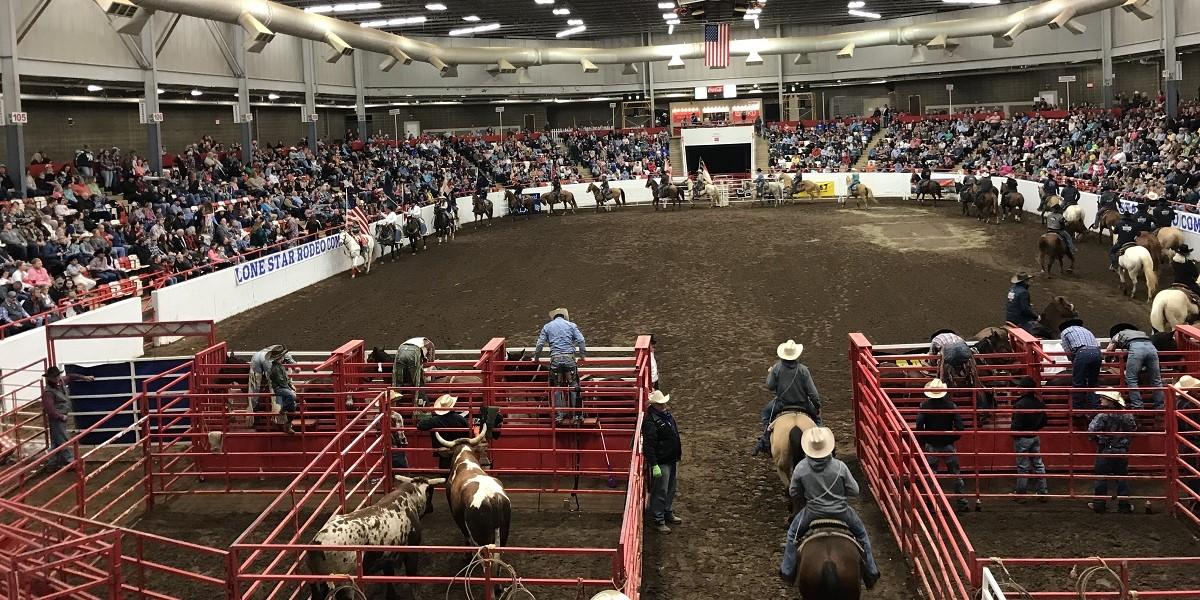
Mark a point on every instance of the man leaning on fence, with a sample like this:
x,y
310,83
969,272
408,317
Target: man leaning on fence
x,y
56,405
563,337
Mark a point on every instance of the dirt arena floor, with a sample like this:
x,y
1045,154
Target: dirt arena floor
x,y
720,289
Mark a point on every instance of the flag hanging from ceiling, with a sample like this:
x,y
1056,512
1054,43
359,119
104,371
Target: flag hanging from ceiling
x,y
716,45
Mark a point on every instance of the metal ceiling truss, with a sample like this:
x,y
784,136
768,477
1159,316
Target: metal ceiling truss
x,y
263,19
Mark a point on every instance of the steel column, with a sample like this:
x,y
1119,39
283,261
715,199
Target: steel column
x,y
242,73
1106,64
360,95
1170,58
650,83
10,65
779,79
310,92
150,93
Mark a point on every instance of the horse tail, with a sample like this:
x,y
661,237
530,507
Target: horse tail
x,y
795,449
1158,314
1150,273
829,582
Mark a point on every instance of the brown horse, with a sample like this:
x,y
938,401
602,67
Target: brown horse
x,y
664,194
804,187
518,204
786,431
1108,221
1170,238
1052,248
567,199
1058,310
618,196
1150,242
828,563
987,205
1013,204
928,187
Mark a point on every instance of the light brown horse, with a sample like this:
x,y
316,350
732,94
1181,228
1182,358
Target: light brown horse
x,y
1170,238
828,563
786,431
1150,242
618,196
566,198
863,196
804,187
1108,221
516,204
1052,248
1013,204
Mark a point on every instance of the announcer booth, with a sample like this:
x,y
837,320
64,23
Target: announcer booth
x,y
724,150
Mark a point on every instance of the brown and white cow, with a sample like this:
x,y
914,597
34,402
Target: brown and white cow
x,y
478,502
393,521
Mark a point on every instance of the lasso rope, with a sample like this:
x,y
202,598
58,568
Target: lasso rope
x,y
1084,579
480,563
349,585
1008,584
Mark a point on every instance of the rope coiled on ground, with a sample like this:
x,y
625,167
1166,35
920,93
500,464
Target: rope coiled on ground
x,y
479,563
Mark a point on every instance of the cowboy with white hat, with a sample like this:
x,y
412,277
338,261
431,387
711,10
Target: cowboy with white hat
x,y
662,449
450,424
564,338
825,483
937,424
793,389
1110,430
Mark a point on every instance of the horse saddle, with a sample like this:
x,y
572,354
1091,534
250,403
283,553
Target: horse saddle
x,y
1192,297
828,528
1124,247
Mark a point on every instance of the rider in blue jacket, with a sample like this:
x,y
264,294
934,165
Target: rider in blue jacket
x,y
1019,309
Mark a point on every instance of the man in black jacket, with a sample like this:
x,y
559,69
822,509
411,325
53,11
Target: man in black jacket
x,y
662,450
450,424
1027,420
1185,269
937,417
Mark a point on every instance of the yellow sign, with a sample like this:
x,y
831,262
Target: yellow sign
x,y
824,189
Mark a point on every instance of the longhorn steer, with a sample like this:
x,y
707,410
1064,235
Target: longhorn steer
x,y
477,500
394,521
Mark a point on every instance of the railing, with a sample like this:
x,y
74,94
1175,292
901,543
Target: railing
x,y
991,589
22,427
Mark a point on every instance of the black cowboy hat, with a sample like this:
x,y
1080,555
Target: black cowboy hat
x,y
1183,249
1119,327
1069,323
940,332
52,372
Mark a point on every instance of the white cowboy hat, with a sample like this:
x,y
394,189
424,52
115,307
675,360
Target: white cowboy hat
x,y
560,311
610,595
445,403
657,397
1113,395
817,442
935,389
1152,196
1187,381
789,350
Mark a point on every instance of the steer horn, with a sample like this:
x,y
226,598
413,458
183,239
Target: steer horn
x,y
441,440
479,438
438,481
403,479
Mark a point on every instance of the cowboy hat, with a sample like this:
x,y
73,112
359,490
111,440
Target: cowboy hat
x,y
280,352
1070,323
789,350
935,389
1119,327
1021,276
1112,396
1152,196
657,397
1187,381
817,442
52,372
1183,249
560,311
443,404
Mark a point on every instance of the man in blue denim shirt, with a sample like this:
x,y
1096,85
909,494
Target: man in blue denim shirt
x,y
562,336
1142,355
1084,351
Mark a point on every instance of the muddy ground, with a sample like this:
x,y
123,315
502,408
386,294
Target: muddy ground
x,y
720,289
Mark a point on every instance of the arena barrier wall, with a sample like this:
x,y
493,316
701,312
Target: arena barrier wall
x,y
30,347
918,502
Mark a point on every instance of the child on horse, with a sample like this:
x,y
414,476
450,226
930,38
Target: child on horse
x,y
792,384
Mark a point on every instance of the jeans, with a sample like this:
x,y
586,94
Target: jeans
x,y
58,437
1111,464
119,252
800,525
662,493
1029,460
951,462
1085,373
1067,239
1143,355
565,373
1113,254
286,398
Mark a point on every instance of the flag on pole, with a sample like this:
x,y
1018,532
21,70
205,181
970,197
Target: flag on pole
x,y
716,45
356,216
703,173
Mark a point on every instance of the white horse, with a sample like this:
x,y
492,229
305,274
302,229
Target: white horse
x,y
1172,307
359,256
714,196
1137,262
774,189
1073,218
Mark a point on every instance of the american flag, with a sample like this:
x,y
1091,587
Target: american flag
x,y
358,217
716,45
702,173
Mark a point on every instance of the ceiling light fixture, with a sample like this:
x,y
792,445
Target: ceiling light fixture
x,y
94,88
197,93
397,22
756,23
344,7
864,14
158,90
988,2
671,29
471,18
572,31
562,11
666,5
543,1
574,22
272,96
475,29
435,6
855,4
753,11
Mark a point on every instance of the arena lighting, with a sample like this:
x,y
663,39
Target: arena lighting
x,y
669,16
543,1
272,96
864,14
435,6
666,5
562,11
399,21
158,90
571,31
197,93
756,23
971,1
346,7
94,88
574,22
671,29
855,4
471,18
475,29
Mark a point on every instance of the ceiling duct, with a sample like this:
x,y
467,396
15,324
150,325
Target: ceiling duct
x,y
287,20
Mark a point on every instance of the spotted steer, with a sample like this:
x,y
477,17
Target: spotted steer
x,y
478,502
394,521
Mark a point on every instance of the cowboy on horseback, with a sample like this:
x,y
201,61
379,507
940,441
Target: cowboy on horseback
x,y
1049,188
826,483
794,389
1126,232
760,182
1142,218
1108,201
1163,213
1186,272
1070,195
359,236
605,191
854,183
1057,224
